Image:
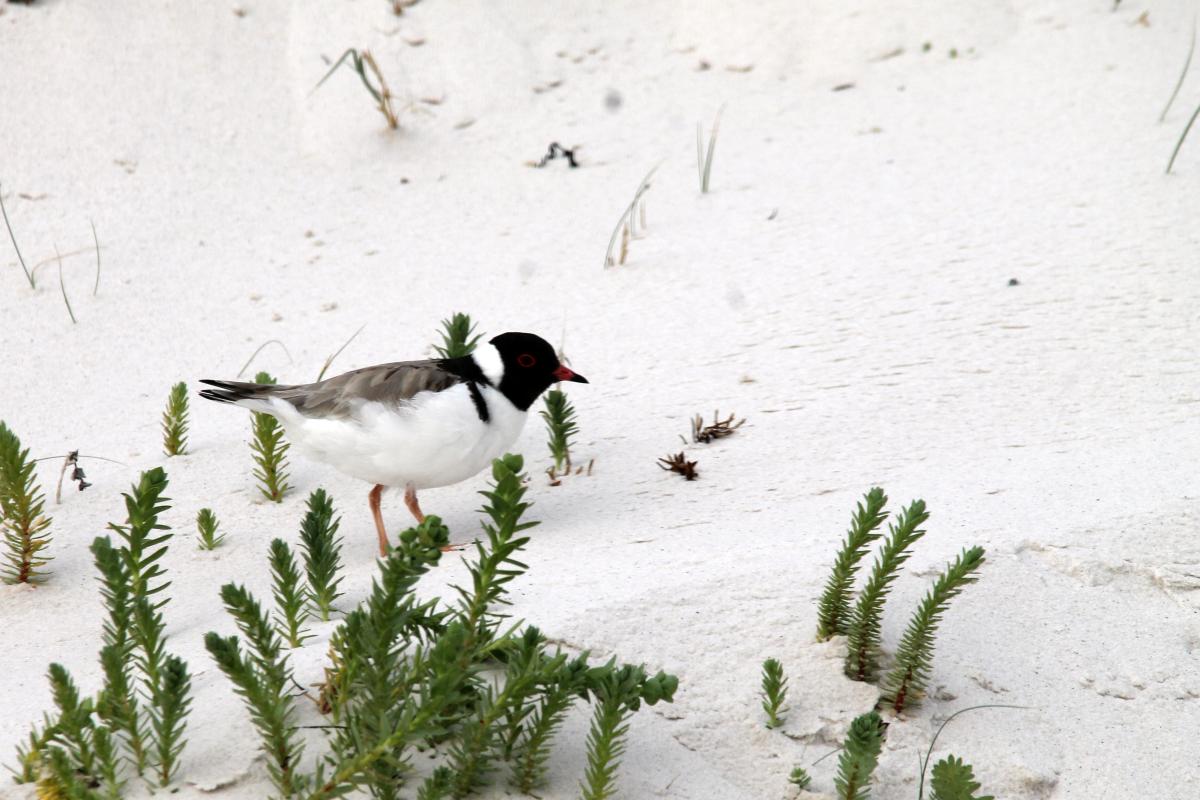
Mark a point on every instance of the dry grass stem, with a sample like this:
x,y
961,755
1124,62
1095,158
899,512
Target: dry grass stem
x,y
338,352
624,222
259,349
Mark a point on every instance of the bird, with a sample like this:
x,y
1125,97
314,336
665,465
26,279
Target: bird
x,y
411,424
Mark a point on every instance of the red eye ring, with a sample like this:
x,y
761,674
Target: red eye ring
x,y
526,360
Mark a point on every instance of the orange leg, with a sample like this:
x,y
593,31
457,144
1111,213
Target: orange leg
x,y
373,498
410,500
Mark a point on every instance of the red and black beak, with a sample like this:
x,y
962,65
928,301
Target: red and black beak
x,y
562,373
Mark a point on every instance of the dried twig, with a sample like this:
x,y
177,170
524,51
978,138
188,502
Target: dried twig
x,y
71,460
678,463
556,150
719,429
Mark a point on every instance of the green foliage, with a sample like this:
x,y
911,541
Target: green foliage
x,y
169,707
860,754
207,525
118,704
954,780
140,714
799,777
862,661
617,692
74,728
565,681
561,427
270,450
261,676
167,684
142,551
833,613
458,337
321,548
408,674
25,526
906,681
175,421
290,597
605,746
61,778
438,785
774,691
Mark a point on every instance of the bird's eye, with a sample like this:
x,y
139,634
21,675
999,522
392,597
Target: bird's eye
x,y
526,360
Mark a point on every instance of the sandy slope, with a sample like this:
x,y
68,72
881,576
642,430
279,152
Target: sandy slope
x,y
844,286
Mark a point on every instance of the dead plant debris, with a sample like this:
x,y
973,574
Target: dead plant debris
x,y
556,150
719,429
679,463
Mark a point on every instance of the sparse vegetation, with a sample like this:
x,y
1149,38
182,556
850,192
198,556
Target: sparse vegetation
x,y
270,450
291,600
362,63
25,526
262,677
906,681
954,780
458,337
175,421
862,660
405,674
561,427
833,614
322,551
860,755
860,620
774,692
617,693
799,777
139,717
207,525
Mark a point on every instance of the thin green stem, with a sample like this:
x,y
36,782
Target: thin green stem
x,y
12,237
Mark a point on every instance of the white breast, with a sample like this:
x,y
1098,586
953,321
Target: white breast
x,y
434,440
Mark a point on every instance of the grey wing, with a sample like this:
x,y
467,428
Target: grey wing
x,y
337,397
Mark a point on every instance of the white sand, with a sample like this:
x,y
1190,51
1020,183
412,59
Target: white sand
x,y
867,331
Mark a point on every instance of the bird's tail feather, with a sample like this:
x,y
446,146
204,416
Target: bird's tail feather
x,y
255,396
